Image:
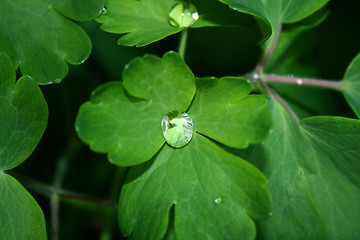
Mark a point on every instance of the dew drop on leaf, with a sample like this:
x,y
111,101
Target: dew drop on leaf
x,y
218,200
104,11
57,80
183,14
177,129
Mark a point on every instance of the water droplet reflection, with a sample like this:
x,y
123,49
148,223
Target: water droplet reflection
x,y
177,129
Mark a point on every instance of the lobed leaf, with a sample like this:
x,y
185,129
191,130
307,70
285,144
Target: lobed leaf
x,y
167,81
313,171
234,118
23,116
123,119
147,21
40,40
210,193
20,215
351,82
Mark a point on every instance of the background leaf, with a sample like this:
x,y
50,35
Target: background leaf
x,y
147,21
352,85
124,119
79,10
313,171
233,118
23,116
290,45
20,215
277,11
203,185
40,40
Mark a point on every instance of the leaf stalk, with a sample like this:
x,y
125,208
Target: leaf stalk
x,y
277,97
336,85
258,76
47,190
62,164
183,40
265,59
118,180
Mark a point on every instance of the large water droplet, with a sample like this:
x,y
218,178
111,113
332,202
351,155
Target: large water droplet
x,y
219,200
177,129
183,14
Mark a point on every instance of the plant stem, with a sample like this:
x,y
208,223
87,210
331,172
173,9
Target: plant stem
x,y
54,198
183,39
71,150
258,76
264,60
87,198
337,85
54,205
47,190
117,182
276,96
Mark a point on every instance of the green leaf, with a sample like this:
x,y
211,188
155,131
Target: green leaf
x,y
311,21
234,118
40,40
214,195
277,11
23,116
351,82
79,10
123,119
167,81
147,21
313,170
20,215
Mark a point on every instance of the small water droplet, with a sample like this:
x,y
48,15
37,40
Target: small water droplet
x,y
256,76
104,11
57,80
219,200
183,14
177,129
